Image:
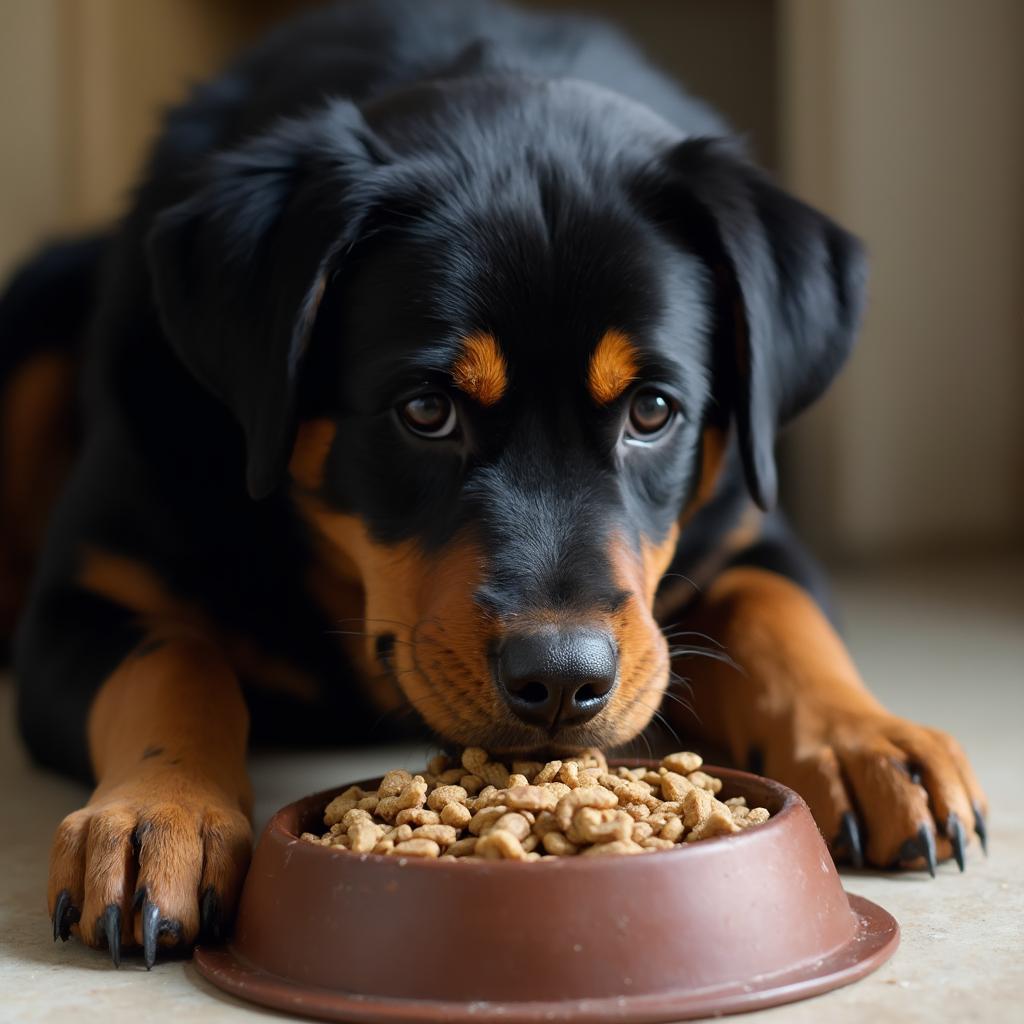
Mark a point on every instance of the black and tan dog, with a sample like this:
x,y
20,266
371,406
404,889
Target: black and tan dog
x,y
436,368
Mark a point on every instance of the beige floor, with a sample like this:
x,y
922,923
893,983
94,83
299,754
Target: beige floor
x,y
942,646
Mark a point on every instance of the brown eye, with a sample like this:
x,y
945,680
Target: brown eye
x,y
430,415
650,413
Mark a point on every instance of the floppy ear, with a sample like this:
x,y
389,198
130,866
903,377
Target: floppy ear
x,y
240,267
790,290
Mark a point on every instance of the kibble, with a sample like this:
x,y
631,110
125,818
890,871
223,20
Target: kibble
x,y
480,809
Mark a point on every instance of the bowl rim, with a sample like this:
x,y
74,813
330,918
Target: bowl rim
x,y
789,799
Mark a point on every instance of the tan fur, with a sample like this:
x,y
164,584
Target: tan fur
x,y
427,604
167,736
312,445
481,371
36,450
798,699
613,367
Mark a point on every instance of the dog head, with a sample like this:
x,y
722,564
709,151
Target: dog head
x,y
496,333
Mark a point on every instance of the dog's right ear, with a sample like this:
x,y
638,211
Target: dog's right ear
x,y
239,268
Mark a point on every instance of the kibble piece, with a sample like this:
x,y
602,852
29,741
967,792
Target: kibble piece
x,y
656,843
500,844
456,815
417,848
697,805
443,835
437,764
705,781
363,836
463,847
618,846
558,788
394,782
529,769
399,833
530,798
675,787
557,845
683,762
637,811
672,830
755,816
640,831
342,804
444,795
416,816
548,773
484,819
472,784
718,823
588,796
514,823
590,825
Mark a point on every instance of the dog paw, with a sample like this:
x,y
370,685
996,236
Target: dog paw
x,y
147,864
884,791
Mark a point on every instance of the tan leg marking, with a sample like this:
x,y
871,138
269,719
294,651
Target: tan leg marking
x,y
37,441
798,698
167,736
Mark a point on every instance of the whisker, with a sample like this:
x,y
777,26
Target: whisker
x,y
366,635
691,632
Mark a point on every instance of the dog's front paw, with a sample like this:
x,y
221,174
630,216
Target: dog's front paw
x,y
152,861
886,791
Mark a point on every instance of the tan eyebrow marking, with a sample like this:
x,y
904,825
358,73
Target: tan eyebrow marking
x,y
481,370
613,367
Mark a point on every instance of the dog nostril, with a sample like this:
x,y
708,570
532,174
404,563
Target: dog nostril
x,y
533,693
585,694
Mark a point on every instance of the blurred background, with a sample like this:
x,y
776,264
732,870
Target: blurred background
x,y
904,120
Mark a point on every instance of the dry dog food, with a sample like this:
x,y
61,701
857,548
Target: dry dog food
x,y
481,809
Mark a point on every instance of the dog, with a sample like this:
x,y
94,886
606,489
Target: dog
x,y
432,380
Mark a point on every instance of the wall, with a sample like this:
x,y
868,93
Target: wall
x,y
906,121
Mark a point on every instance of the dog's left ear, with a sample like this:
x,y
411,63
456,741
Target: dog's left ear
x,y
790,287
240,267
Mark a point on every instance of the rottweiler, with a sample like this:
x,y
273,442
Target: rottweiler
x,y
431,381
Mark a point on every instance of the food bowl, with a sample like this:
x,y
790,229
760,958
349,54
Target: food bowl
x,y
720,926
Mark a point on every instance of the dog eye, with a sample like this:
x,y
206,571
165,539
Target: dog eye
x,y
650,413
430,415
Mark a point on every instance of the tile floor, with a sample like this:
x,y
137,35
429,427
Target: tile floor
x,y
942,645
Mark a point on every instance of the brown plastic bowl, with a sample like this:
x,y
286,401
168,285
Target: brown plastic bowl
x,y
720,926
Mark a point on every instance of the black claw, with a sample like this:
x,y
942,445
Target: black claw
x,y
110,925
848,843
153,926
981,828
957,839
64,916
211,920
921,845
150,932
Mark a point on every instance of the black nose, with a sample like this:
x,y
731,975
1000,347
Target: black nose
x,y
555,677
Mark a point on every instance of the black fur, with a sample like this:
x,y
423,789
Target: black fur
x,y
317,230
